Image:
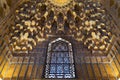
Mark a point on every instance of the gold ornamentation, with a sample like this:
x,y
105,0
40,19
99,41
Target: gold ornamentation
x,y
60,3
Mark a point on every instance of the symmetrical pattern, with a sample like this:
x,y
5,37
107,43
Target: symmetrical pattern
x,y
85,20
25,70
60,62
31,66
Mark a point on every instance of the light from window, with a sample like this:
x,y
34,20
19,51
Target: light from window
x,y
60,63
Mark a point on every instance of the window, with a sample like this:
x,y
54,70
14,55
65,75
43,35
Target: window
x,y
60,63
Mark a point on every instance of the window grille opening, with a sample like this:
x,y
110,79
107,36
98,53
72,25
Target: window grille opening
x,y
60,62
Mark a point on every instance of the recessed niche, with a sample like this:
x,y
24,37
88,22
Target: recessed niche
x,y
1,11
116,5
119,12
112,2
9,2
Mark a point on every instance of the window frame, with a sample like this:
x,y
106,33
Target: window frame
x,y
70,64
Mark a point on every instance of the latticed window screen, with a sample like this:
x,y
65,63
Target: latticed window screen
x,y
60,63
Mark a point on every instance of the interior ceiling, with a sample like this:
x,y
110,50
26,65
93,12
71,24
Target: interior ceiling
x,y
85,20
83,23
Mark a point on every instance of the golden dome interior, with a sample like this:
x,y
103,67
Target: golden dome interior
x,y
31,29
87,21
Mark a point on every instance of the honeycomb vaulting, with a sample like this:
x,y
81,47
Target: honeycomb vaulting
x,y
85,20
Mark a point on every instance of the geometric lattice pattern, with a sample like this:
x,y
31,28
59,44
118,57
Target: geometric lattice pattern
x,y
60,62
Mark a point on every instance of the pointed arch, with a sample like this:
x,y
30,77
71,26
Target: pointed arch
x,y
60,62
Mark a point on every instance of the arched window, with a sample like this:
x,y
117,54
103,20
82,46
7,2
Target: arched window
x,y
60,63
